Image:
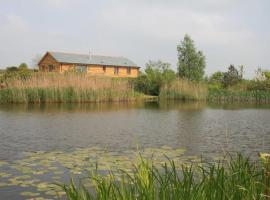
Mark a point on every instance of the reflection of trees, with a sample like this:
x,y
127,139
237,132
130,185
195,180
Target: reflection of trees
x,y
180,105
76,107
190,121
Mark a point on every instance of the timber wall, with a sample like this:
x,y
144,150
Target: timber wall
x,y
94,70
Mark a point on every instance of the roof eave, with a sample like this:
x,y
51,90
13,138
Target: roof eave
x,y
97,64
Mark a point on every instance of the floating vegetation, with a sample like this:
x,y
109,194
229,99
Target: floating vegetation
x,y
37,172
2,163
30,194
4,184
4,175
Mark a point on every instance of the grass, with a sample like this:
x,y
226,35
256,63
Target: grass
x,y
239,96
66,88
232,178
184,90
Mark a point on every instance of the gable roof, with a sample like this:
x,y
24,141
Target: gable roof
x,y
95,59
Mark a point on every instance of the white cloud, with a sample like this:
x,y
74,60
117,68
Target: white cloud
x,y
165,23
140,29
57,3
12,22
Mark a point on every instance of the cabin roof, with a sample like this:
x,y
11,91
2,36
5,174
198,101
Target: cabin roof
x,y
93,59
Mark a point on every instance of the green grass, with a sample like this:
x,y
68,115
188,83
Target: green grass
x,y
232,178
239,96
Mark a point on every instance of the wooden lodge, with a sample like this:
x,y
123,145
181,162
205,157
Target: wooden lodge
x,y
89,64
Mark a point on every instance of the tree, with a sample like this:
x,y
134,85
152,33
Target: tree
x,y
216,77
191,63
23,66
11,69
241,71
262,75
231,77
156,74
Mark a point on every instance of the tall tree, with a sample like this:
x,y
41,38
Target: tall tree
x,y
191,63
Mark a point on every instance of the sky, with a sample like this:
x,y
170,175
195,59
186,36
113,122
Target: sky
x,y
226,31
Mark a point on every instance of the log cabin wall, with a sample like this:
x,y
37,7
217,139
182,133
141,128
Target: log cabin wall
x,y
49,64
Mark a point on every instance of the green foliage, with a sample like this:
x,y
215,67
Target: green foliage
x,y
157,73
239,96
234,89
23,66
262,75
234,177
231,77
11,69
13,72
215,81
191,63
259,85
216,77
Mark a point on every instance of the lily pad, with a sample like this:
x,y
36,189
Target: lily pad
x,y
31,194
4,175
3,184
2,163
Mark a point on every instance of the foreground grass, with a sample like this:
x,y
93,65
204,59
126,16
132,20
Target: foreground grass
x,y
66,88
184,90
233,178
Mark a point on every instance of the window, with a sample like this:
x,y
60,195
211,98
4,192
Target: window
x,y
128,70
116,70
81,69
104,69
51,68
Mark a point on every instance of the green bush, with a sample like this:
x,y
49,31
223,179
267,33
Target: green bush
x,y
155,76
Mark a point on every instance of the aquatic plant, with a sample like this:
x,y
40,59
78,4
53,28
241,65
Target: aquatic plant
x,y
232,178
66,88
239,96
37,172
184,90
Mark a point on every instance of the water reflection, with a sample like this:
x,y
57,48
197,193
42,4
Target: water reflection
x,y
114,106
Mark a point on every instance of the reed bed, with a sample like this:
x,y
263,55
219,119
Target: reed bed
x,y
239,96
66,88
184,90
232,178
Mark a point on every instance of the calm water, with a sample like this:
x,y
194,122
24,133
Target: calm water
x,y
200,129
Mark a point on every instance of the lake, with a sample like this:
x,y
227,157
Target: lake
x,y
36,141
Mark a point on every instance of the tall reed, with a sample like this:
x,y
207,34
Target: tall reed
x,y
233,178
66,88
184,90
239,96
